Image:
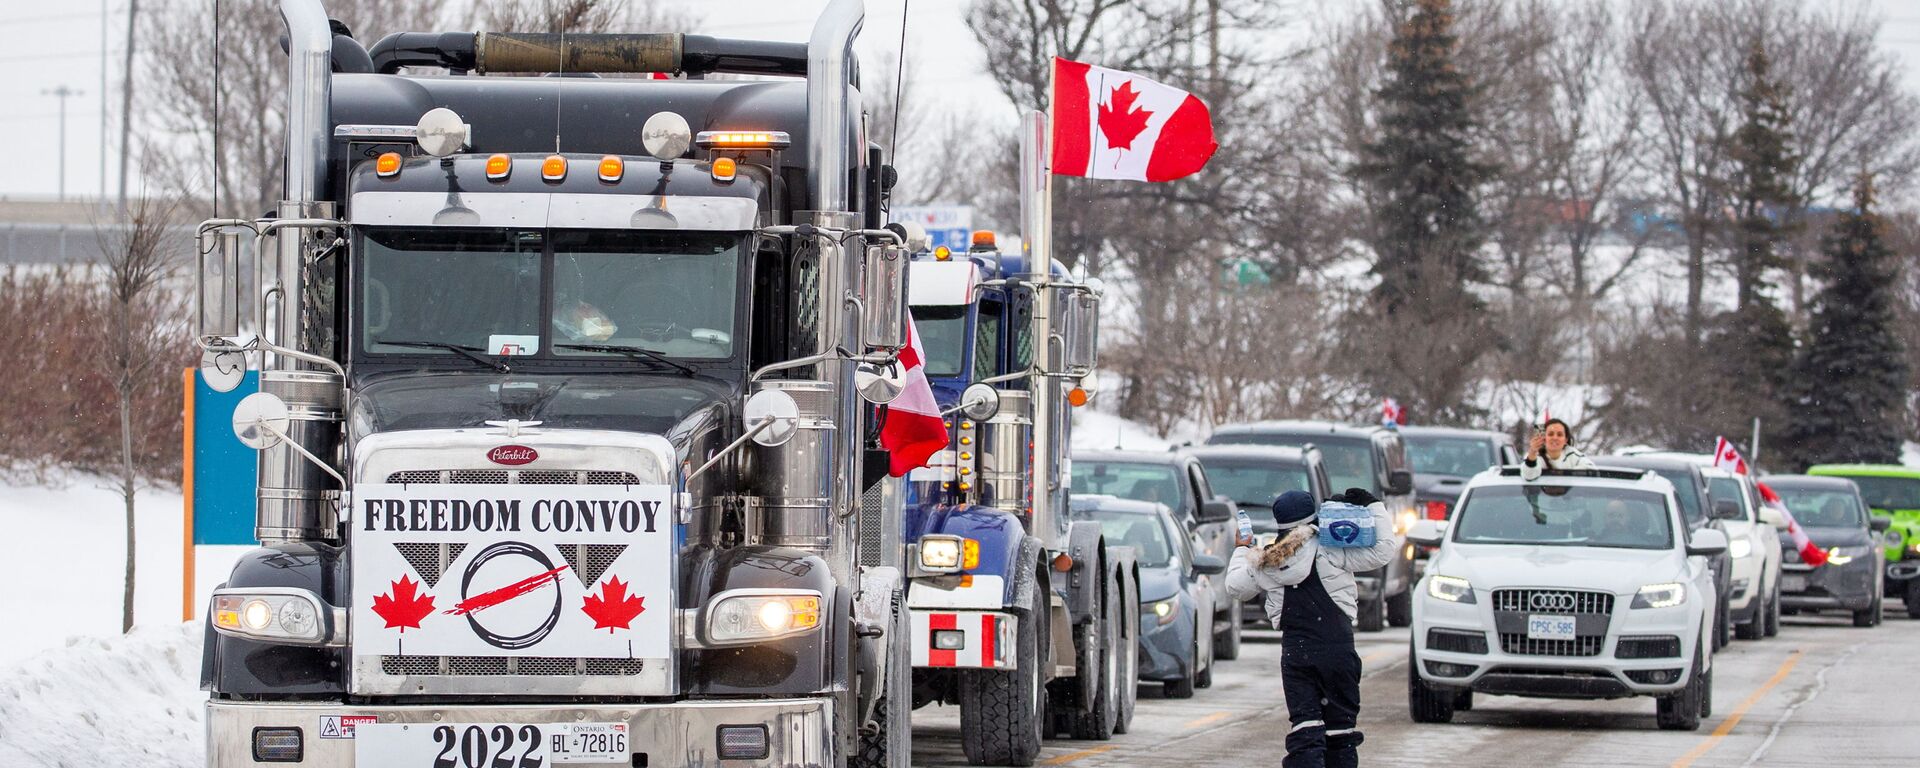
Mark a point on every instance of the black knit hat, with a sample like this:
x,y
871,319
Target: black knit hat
x,y
1294,509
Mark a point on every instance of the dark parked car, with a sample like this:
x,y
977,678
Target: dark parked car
x,y
1368,457
1251,476
1696,505
1832,513
1178,481
1175,598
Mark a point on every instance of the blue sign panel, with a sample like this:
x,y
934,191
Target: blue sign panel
x,y
956,240
224,470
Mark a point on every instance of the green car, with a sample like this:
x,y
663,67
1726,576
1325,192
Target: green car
x,y
1892,491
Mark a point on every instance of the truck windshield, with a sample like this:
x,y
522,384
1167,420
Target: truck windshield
x,y
438,291
1255,484
1570,516
1457,456
943,337
1889,493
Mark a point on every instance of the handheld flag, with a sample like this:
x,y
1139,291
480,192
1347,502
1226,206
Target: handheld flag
x,y
1109,124
1391,414
913,432
1726,456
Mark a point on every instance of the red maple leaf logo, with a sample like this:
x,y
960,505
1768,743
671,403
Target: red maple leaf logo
x,y
404,608
613,607
1120,120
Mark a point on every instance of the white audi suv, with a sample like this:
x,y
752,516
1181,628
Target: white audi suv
x,y
1583,584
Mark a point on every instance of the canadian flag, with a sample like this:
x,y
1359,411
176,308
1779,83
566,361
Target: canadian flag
x,y
1727,457
913,431
1109,124
1391,414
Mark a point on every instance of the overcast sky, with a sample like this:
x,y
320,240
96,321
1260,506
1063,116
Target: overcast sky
x,y
50,45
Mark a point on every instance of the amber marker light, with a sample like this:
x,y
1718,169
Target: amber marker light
x,y
498,166
554,168
724,169
388,164
611,168
1077,397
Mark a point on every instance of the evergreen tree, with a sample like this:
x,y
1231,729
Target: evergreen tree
x,y
1425,331
1427,226
1851,376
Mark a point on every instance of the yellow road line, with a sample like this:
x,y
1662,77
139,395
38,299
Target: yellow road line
x,y
1072,756
1733,718
1371,657
1204,720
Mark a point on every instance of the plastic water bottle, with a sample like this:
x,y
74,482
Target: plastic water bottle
x,y
1246,527
1344,525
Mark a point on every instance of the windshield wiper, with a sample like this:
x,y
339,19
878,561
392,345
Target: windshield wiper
x,y
635,353
459,349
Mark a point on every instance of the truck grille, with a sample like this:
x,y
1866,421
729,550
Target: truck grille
x,y
520,476
491,666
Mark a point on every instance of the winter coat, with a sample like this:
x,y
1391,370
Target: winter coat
x,y
1571,458
1286,562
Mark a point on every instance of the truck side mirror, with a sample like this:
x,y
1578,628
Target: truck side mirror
x,y
1082,331
979,402
884,316
218,282
1400,482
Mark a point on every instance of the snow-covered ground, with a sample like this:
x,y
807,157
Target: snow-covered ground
x,y
132,700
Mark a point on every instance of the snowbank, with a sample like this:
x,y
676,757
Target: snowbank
x,y
132,700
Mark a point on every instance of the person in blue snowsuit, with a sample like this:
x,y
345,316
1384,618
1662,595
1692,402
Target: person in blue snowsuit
x,y
1311,597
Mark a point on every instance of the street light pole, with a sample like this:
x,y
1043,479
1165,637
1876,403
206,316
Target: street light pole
x,y
62,93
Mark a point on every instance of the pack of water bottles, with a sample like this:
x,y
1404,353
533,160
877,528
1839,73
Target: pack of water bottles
x,y
1345,525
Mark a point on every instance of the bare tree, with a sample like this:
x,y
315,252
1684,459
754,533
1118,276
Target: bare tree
x,y
554,16
138,318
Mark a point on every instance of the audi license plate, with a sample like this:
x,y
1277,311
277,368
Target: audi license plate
x,y
1541,627
1790,582
488,745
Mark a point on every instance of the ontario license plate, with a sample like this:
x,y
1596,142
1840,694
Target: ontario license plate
x,y
488,745
1550,627
1792,583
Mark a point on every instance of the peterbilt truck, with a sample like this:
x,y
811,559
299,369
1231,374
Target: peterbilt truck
x,y
1026,620
563,429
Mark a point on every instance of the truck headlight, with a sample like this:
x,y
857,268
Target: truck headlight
x,y
752,615
273,614
1660,596
941,553
1452,589
1740,547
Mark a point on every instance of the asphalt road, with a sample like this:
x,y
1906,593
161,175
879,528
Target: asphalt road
x,y
1823,693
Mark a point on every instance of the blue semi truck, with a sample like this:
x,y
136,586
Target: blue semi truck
x,y
1024,619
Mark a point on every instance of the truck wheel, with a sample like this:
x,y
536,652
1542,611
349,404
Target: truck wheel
x,y
1001,712
1913,598
1097,721
1129,653
1226,645
1425,703
1373,615
1400,609
890,743
1681,711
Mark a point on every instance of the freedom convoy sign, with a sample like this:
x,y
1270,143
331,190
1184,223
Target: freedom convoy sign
x,y
512,570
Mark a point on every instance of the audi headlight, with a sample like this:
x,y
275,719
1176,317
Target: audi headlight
x,y
1740,547
1660,596
940,553
1163,611
1844,555
1452,589
753,615
273,614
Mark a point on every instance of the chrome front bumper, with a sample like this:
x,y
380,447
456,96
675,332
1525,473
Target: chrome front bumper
x,y
800,731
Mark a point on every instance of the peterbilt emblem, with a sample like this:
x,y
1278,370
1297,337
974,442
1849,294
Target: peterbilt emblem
x,y
1550,601
512,455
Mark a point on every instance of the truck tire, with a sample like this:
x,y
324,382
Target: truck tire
x,y
890,743
1130,652
1226,645
1425,703
1400,609
1681,711
1373,615
1001,713
1096,722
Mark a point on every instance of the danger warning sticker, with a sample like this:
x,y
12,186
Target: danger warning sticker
x,y
341,726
